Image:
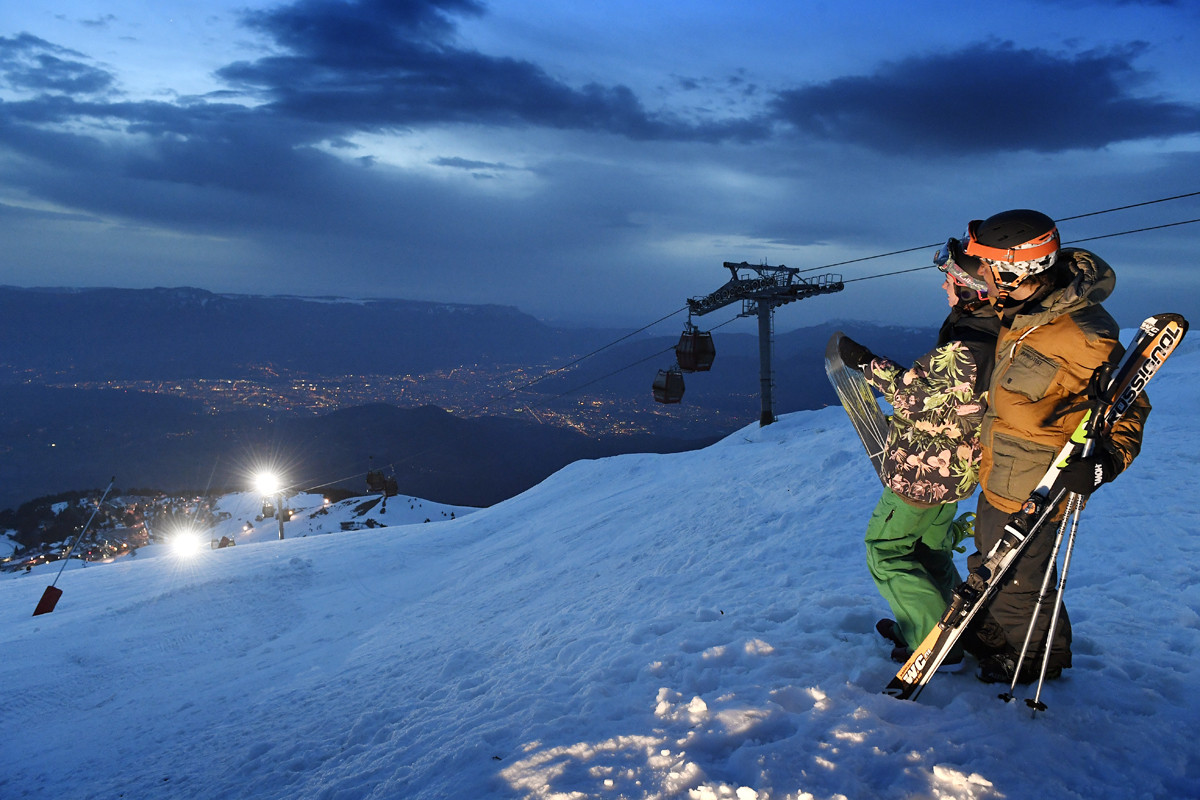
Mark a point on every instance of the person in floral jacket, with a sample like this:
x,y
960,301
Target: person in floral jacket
x,y
932,462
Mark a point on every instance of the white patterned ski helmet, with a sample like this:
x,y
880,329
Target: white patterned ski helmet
x,y
1014,244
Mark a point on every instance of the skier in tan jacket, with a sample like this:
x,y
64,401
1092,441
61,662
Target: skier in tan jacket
x,y
1054,334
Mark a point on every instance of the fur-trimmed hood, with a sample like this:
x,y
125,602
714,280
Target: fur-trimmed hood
x,y
1085,280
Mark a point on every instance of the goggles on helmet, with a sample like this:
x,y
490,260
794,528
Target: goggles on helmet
x,y
1010,266
946,259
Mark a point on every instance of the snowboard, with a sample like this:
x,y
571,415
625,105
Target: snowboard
x,y
858,399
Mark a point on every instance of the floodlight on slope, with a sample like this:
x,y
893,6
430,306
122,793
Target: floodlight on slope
x,y
267,483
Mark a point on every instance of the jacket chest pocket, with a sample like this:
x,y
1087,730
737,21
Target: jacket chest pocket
x,y
1030,373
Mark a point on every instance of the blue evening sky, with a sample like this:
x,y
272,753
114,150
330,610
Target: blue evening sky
x,y
590,161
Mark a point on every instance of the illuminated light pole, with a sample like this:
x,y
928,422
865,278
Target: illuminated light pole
x,y
268,484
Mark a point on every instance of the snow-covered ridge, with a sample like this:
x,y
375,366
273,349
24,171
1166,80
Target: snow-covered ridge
x,y
188,295
229,520
697,626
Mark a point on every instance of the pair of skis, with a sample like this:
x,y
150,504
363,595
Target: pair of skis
x,y
1156,339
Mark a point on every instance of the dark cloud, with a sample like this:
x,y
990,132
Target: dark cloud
x,y
468,164
181,165
30,64
99,22
992,97
334,32
386,65
380,65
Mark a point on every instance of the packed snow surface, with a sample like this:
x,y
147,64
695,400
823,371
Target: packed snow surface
x,y
697,625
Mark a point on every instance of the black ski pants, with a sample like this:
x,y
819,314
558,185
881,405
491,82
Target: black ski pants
x,y
1006,617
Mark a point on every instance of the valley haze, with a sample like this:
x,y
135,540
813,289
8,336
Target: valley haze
x,y
180,388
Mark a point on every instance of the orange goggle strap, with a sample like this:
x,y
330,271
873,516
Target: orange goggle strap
x,y
1037,248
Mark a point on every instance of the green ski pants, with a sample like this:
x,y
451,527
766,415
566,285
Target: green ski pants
x,y
910,552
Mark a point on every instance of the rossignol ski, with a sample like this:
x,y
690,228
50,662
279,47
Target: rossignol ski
x,y
1155,340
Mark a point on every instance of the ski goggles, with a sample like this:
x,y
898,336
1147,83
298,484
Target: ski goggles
x,y
946,259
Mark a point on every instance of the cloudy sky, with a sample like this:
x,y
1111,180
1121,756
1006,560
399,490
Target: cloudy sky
x,y
591,161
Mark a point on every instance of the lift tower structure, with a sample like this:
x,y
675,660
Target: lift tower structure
x,y
761,289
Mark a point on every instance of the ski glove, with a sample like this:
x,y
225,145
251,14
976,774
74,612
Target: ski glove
x,y
961,529
853,354
1086,474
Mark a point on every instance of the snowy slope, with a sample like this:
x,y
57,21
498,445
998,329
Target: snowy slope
x,y
312,516
697,625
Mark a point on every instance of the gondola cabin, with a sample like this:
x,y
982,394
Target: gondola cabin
x,y
668,386
695,351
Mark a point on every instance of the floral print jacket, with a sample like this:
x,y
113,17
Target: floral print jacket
x,y
933,451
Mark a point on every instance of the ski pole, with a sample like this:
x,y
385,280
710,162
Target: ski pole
x,y
1037,610
50,596
1075,503
1036,703
1086,436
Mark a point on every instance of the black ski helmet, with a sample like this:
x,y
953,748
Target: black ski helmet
x,y
1015,244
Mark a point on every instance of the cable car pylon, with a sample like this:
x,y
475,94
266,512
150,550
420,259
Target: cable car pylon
x,y
760,289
